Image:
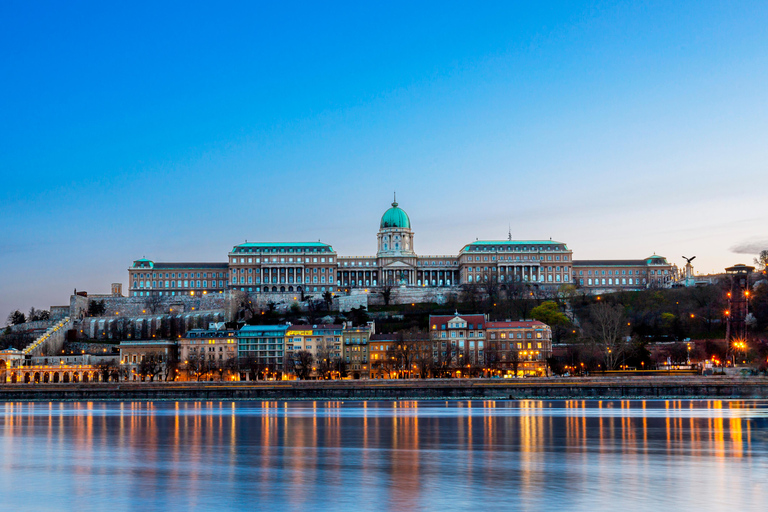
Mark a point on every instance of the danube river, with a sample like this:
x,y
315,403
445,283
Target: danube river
x,y
455,455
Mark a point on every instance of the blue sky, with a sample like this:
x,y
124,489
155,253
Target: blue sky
x,y
176,130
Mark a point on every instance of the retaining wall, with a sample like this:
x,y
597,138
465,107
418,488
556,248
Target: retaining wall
x,y
651,388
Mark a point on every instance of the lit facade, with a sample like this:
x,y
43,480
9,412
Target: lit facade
x,y
290,271
262,343
147,278
321,340
602,276
463,335
208,348
355,342
521,347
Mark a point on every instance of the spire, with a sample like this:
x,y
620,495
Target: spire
x,y
394,203
509,237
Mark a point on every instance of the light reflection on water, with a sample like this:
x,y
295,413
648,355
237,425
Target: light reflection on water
x,y
528,455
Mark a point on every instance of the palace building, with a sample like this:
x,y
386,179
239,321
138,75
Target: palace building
x,y
288,270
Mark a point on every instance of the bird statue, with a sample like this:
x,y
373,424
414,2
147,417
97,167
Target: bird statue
x,y
689,260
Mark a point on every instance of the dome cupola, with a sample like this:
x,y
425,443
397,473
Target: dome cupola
x,y
395,217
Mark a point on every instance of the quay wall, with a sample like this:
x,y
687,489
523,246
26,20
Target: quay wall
x,y
587,389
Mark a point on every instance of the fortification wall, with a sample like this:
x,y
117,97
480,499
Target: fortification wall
x,y
32,326
146,327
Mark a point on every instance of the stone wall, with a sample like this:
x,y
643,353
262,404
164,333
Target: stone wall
x,y
146,327
32,326
455,389
344,303
136,306
416,295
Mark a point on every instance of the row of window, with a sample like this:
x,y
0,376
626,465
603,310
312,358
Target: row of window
x,y
155,275
181,284
549,278
510,335
281,260
506,248
282,249
517,258
283,271
610,281
282,280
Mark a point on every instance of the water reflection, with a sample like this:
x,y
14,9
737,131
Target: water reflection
x,y
530,454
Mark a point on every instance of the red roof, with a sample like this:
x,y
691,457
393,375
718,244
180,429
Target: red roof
x,y
515,325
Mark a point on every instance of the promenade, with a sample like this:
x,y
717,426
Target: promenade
x,y
679,387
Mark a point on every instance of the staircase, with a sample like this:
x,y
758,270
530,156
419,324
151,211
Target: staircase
x,y
52,338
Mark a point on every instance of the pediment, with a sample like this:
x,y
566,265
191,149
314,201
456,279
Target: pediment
x,y
398,265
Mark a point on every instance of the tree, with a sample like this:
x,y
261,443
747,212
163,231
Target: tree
x,y
762,261
490,287
324,358
150,366
38,314
154,303
96,308
196,365
328,300
303,360
109,370
491,357
16,318
549,313
359,316
386,294
240,307
417,351
470,294
340,366
172,365
608,328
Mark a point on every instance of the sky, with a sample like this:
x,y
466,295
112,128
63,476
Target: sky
x,y
175,130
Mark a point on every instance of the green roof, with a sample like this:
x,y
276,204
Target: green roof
x,y
515,243
395,218
283,245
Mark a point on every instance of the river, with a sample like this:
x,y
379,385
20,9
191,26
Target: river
x,y
379,455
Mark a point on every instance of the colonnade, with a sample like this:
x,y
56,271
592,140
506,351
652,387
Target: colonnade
x,y
53,375
519,273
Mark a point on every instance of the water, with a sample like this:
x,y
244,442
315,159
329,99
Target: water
x,y
524,455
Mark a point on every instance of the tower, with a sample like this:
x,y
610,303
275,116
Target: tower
x,y
395,237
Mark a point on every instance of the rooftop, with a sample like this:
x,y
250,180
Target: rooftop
x,y
512,325
530,245
282,247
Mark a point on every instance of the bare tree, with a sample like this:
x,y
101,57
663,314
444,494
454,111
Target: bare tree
x,y
607,328
151,365
324,358
418,347
491,357
109,370
240,307
196,365
153,303
303,360
386,293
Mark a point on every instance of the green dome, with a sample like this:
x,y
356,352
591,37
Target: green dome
x,y
395,218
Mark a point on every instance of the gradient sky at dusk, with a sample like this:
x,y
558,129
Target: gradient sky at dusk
x,y
176,130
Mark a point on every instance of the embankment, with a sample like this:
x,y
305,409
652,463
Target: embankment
x,y
578,388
